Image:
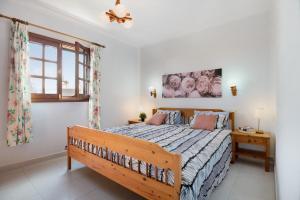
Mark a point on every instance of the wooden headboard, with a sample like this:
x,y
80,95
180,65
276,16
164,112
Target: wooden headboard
x,y
186,113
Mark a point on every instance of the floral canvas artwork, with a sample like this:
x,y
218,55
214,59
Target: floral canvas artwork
x,y
199,84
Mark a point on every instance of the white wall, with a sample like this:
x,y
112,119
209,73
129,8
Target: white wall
x,y
241,48
119,85
288,137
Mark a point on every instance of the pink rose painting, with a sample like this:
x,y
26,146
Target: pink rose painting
x,y
205,83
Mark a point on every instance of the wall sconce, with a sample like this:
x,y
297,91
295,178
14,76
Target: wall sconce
x,y
152,91
233,90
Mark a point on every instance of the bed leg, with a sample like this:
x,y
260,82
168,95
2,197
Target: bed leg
x,y
69,163
69,160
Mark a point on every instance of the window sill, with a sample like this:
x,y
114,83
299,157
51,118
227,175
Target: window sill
x,y
58,100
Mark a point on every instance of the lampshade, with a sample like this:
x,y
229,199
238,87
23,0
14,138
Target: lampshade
x,y
259,113
119,14
128,24
120,10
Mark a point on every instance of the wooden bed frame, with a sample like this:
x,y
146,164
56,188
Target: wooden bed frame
x,y
85,145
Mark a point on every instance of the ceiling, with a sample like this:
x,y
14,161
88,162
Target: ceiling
x,y
158,20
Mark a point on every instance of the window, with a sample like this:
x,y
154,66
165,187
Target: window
x,y
60,71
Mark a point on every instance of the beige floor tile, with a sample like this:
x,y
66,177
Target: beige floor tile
x,y
50,180
224,189
15,186
108,190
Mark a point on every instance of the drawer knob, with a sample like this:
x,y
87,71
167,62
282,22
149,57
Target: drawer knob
x,y
249,140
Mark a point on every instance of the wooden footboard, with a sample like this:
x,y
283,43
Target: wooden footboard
x,y
88,147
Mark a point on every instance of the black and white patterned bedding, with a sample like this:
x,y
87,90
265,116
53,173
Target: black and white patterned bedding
x,y
205,155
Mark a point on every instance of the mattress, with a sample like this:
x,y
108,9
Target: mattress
x,y
205,155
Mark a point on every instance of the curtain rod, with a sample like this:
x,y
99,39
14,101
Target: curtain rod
x,y
48,29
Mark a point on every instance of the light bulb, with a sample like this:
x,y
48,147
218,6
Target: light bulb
x,y
128,24
104,18
120,10
151,89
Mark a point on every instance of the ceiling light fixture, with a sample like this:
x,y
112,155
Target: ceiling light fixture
x,y
119,14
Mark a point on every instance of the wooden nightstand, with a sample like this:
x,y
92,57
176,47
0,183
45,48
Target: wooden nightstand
x,y
134,121
255,139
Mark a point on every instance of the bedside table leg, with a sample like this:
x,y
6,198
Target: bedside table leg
x,y
236,150
233,156
267,165
267,158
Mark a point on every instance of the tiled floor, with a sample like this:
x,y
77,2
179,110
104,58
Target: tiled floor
x,y
49,181
246,180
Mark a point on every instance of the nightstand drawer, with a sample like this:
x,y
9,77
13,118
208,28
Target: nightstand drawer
x,y
249,140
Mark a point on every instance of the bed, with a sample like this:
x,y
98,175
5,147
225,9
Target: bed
x,y
157,162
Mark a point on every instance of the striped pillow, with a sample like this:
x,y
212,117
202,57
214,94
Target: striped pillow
x,y
173,116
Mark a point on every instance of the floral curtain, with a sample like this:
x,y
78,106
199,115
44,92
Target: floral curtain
x,y
19,97
94,102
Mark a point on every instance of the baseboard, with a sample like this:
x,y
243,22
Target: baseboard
x,y
33,161
276,183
